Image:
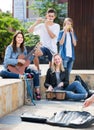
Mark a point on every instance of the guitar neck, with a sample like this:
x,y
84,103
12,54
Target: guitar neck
x,y
33,50
30,54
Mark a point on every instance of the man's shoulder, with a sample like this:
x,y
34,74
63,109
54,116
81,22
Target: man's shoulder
x,y
40,25
56,24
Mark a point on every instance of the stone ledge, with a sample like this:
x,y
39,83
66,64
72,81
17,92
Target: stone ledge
x,y
87,76
11,95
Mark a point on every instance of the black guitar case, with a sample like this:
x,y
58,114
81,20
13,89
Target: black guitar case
x,y
73,119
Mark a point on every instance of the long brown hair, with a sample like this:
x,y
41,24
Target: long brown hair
x,y
13,43
53,64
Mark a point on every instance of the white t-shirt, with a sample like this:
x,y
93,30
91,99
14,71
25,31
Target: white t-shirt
x,y
68,45
45,39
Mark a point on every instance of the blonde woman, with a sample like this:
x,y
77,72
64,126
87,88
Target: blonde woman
x,y
57,78
67,41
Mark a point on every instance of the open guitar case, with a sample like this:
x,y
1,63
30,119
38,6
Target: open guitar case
x,y
72,119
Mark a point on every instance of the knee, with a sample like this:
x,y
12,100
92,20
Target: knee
x,y
77,83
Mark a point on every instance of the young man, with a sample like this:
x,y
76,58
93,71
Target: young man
x,y
48,32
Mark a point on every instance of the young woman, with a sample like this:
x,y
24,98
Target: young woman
x,y
56,77
67,40
12,52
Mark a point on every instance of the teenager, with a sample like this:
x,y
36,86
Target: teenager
x,y
48,31
12,52
67,40
57,78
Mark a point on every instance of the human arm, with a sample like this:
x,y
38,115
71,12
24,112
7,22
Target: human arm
x,y
61,41
51,34
53,31
31,28
66,78
8,59
11,58
47,82
74,41
89,101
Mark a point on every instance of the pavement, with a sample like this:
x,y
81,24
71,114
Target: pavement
x,y
45,108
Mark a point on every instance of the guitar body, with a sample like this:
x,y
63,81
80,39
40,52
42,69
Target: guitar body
x,y
19,68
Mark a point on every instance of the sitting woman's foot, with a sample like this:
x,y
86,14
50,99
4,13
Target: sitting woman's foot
x,y
38,96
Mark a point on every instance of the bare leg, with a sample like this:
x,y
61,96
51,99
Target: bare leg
x,y
37,53
37,90
36,62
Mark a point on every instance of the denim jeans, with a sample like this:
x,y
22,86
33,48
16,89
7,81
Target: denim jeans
x,y
76,91
7,74
68,64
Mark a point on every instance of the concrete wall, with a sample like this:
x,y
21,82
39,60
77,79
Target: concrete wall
x,y
11,95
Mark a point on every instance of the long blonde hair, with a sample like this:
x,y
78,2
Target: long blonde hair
x,y
68,19
53,64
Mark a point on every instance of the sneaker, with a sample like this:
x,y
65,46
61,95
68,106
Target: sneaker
x,y
29,75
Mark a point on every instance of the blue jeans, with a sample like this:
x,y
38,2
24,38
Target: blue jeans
x,y
7,74
47,52
76,91
68,64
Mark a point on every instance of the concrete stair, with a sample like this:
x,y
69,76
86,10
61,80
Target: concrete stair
x,y
11,95
12,91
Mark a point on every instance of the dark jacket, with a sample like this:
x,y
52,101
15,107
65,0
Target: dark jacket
x,y
51,78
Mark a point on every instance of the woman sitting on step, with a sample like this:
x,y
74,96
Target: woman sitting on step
x,y
13,51
57,78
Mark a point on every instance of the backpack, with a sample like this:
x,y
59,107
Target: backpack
x,y
78,78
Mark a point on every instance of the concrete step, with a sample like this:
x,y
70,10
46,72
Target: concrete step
x,y
12,91
11,95
86,75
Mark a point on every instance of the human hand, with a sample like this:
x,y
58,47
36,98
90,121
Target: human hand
x,y
39,20
71,29
22,61
60,84
65,29
50,88
88,101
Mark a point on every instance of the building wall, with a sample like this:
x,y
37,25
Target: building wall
x,y
31,15
82,13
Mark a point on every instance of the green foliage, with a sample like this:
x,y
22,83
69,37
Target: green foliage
x,y
40,7
31,39
8,25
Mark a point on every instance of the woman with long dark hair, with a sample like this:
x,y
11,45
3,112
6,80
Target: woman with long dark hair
x,y
12,53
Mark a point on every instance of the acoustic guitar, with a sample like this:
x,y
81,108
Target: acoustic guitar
x,y
20,68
